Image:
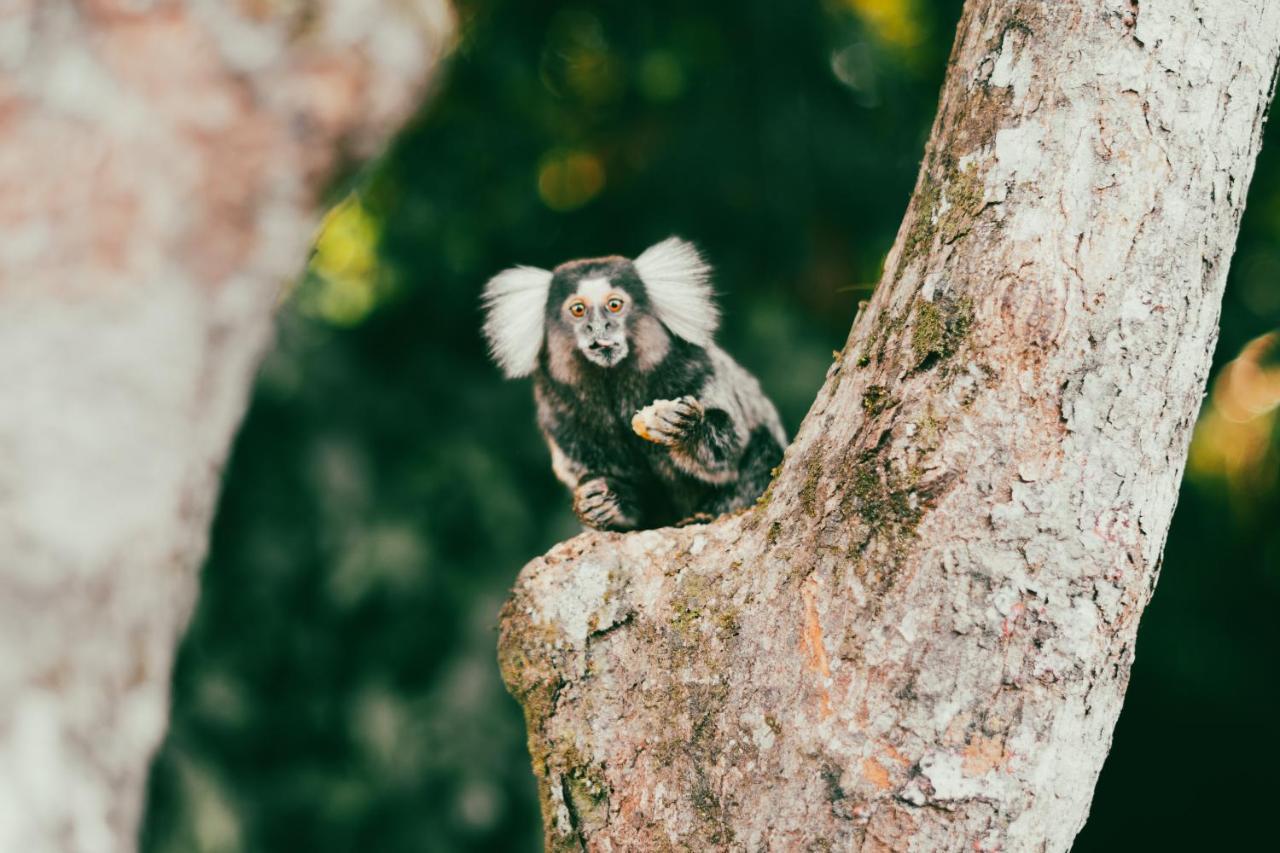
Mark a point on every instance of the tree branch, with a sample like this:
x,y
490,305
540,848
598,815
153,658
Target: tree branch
x,y
921,637
161,167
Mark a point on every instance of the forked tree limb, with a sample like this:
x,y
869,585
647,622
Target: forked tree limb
x,y
921,637
161,163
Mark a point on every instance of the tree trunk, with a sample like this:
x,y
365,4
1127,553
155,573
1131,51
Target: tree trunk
x,y
159,177
920,638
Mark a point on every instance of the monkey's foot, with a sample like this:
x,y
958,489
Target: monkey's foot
x,y
668,422
598,506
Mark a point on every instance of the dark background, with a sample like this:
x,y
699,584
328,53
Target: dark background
x,y
338,689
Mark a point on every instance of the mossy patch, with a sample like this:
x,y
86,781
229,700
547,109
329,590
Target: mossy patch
x,y
688,604
964,196
928,431
586,794
523,660
875,400
809,491
939,328
884,328
946,209
728,623
883,498
920,234
531,679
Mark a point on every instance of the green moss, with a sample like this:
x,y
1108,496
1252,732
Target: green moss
x,y
929,334
885,328
928,431
525,659
685,621
775,530
728,623
875,400
946,208
923,226
939,328
809,491
691,606
964,195
883,498
528,673
687,605
586,793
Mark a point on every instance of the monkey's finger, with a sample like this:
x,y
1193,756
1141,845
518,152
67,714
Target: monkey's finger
x,y
689,404
595,515
594,487
604,516
663,436
594,503
675,421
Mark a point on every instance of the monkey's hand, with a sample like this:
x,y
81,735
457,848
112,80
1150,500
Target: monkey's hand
x,y
670,423
598,505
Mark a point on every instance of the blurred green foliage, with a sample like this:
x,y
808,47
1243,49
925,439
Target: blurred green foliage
x,y
338,689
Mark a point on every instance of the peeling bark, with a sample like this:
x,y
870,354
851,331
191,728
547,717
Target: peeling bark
x,y
921,636
159,176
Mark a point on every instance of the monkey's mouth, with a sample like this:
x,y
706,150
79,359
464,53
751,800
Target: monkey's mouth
x,y
605,353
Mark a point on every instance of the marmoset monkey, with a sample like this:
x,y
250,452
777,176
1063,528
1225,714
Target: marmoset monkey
x,y
648,421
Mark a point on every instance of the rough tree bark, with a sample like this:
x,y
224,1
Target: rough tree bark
x,y
159,176
920,638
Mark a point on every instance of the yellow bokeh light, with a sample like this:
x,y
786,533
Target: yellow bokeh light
x,y
343,282
567,180
891,21
1233,438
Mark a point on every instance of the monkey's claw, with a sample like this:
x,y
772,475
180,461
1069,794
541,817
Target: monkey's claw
x,y
598,506
668,422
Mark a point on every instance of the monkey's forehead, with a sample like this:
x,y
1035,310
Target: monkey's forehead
x,y
592,266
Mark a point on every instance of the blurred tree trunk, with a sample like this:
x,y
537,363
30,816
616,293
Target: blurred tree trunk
x,y
921,637
160,170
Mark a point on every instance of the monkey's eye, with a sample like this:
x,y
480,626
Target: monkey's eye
x,y
578,309
614,305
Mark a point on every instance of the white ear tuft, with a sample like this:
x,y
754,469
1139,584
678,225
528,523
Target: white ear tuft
x,y
678,282
515,304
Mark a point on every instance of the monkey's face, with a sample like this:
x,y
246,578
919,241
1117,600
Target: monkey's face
x,y
597,313
603,311
595,302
